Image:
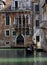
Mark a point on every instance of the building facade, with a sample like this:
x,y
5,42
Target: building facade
x,y
43,24
36,24
16,23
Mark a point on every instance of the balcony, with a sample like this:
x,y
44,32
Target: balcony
x,y
9,9
43,24
21,8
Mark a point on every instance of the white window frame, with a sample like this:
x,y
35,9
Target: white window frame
x,y
5,32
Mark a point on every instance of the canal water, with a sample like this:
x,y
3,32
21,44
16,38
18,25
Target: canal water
x,y
19,57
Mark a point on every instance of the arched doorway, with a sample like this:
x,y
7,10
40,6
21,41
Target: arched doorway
x,y
20,40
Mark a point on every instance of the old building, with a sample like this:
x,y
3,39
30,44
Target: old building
x,y
16,23
36,24
43,24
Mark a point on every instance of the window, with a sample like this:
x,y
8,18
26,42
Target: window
x,y
37,23
7,33
27,4
19,21
23,25
37,7
14,33
23,21
16,4
27,31
7,19
20,24
27,0
7,42
37,38
16,21
27,20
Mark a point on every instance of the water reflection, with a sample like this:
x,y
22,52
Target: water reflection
x,y
12,53
22,54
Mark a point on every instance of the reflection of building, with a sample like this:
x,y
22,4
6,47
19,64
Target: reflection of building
x,y
16,23
43,24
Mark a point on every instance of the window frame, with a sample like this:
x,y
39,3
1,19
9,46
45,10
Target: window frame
x,y
12,33
5,33
28,32
9,20
37,23
36,9
27,21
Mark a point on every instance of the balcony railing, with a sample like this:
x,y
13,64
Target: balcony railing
x,y
16,10
43,24
23,8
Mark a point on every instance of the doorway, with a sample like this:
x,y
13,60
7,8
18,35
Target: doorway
x,y
20,40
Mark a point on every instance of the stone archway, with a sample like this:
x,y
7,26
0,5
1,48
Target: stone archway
x,y
20,40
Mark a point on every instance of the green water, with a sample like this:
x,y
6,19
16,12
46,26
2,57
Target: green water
x,y
18,57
